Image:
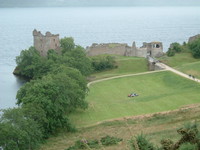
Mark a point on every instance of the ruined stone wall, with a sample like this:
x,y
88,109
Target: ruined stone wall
x,y
193,38
43,43
141,52
153,49
110,48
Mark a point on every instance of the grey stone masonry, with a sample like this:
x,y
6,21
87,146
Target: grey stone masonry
x,y
43,43
193,38
153,49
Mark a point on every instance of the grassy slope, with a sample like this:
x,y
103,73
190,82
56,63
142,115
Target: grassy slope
x,y
156,128
179,59
191,68
158,92
184,62
168,91
126,65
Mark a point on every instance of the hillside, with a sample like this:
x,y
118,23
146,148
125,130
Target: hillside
x,y
156,127
183,62
158,92
126,65
112,113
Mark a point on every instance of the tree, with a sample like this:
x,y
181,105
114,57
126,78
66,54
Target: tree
x,y
170,52
77,59
57,94
31,65
195,48
26,62
67,44
18,131
101,63
176,47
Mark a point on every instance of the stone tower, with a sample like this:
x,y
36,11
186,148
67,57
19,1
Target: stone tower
x,y
43,43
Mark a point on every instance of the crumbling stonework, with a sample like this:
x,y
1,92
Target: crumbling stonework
x,y
153,49
193,38
43,43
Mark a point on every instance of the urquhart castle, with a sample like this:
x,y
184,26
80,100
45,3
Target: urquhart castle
x,y
43,43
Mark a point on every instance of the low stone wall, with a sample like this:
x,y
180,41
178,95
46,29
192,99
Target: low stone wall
x,y
110,48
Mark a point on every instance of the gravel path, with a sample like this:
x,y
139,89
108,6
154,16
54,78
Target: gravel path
x,y
178,72
121,76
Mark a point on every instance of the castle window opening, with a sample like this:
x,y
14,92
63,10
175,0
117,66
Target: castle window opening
x,y
157,46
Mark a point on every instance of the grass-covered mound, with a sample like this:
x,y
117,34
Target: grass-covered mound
x,y
191,68
178,60
183,62
157,92
156,128
125,65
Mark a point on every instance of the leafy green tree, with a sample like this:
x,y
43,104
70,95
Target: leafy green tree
x,y
101,63
195,48
77,59
176,47
19,132
67,44
26,62
57,94
31,65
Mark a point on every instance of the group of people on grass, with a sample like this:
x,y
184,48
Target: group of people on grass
x,y
133,95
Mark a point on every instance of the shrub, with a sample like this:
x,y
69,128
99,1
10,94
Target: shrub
x,y
195,48
84,144
176,47
108,140
170,52
143,143
100,63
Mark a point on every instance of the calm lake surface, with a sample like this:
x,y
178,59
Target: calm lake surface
x,y
87,26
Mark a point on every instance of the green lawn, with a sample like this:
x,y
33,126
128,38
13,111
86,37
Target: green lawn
x,y
191,68
183,62
179,59
157,92
126,65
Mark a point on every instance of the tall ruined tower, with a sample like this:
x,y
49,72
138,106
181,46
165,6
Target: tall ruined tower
x,y
43,43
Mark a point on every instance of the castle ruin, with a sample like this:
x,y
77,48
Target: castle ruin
x,y
193,38
153,49
43,43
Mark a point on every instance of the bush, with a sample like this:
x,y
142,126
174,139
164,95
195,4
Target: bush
x,y
93,144
170,52
195,48
143,143
108,140
100,63
84,144
176,47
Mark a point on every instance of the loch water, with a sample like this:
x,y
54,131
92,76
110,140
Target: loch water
x,y
88,25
